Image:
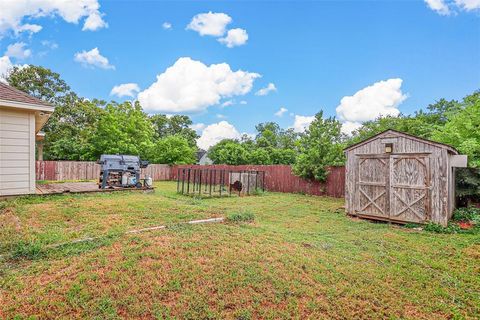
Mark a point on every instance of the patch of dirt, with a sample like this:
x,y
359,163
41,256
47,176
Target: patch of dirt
x,y
472,251
9,220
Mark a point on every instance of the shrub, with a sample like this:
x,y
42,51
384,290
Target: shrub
x,y
467,214
241,217
438,228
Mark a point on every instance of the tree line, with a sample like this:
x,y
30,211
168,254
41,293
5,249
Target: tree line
x,y
83,129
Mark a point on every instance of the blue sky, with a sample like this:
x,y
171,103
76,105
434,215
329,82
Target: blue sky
x,y
387,56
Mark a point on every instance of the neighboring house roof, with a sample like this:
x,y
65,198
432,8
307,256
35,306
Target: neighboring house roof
x,y
12,97
443,145
200,154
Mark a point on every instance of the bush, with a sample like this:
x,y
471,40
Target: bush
x,y
467,214
241,217
438,228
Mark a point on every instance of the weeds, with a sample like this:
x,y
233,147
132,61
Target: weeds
x,y
237,217
28,250
301,260
467,214
437,228
3,206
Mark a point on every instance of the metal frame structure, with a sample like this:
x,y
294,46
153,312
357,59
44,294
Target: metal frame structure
x,y
218,182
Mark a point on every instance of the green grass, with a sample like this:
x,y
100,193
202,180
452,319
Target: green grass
x,y
292,256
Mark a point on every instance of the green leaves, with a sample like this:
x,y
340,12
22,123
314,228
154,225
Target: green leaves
x,y
320,146
462,128
173,150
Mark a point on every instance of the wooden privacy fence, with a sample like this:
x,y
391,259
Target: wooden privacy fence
x,y
88,170
278,178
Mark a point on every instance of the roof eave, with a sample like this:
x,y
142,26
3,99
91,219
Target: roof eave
x,y
26,106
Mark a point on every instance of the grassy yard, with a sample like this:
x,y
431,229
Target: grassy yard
x,y
300,258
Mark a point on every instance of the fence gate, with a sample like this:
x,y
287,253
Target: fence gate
x,y
393,187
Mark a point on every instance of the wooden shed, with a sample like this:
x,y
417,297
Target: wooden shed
x,y
394,176
21,118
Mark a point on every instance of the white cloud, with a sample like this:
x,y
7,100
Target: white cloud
x,y
221,116
93,58
468,5
191,86
18,50
281,111
197,126
49,44
445,8
167,25
380,99
227,103
348,127
13,14
125,90
264,91
439,6
243,102
210,24
235,37
5,67
94,22
302,123
214,133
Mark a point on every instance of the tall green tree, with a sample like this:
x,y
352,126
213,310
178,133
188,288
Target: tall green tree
x,y
230,152
462,128
69,129
173,149
175,125
122,129
70,125
320,146
39,82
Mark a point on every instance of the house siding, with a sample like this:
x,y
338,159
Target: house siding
x,y
17,152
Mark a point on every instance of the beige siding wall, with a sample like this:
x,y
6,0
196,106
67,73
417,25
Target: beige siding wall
x,y
17,152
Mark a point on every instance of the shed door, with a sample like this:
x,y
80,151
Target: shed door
x,y
372,195
409,188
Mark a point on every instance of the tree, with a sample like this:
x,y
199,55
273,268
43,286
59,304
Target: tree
x,y
69,129
467,185
421,124
175,125
228,151
122,129
172,150
39,82
70,125
462,129
283,156
320,146
260,156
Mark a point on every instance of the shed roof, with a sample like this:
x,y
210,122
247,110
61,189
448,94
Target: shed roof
x,y
410,136
12,97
